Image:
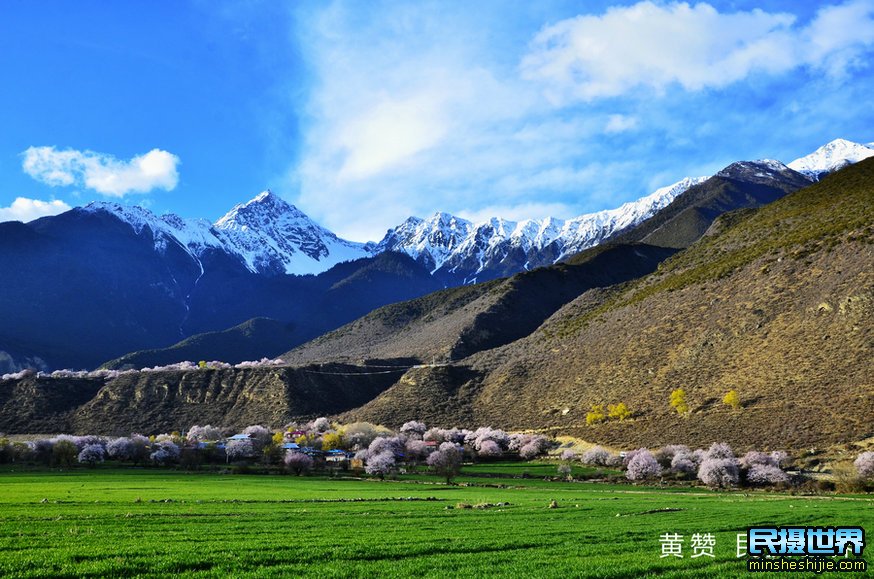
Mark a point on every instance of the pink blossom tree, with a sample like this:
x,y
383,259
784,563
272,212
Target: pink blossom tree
x,y
643,466
380,463
298,462
766,475
446,461
864,465
719,472
414,429
91,455
240,449
489,448
165,453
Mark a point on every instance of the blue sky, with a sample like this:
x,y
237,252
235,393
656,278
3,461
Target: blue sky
x,y
365,113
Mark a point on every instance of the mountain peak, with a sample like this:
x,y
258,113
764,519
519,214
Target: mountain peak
x,y
266,207
268,197
754,171
831,157
270,235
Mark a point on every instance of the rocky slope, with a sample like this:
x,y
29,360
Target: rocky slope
x,y
741,185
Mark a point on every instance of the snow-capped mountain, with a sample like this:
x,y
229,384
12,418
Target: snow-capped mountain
x,y
831,157
429,241
456,248
761,171
267,235
271,235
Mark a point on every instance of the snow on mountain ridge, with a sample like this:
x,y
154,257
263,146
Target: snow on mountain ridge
x,y
267,235
452,243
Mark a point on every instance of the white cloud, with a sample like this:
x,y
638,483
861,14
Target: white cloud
x,y
24,209
696,47
389,133
412,113
620,124
100,172
431,106
839,36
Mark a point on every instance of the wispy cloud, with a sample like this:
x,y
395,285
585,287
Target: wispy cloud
x,y
518,212
24,209
654,45
620,123
101,172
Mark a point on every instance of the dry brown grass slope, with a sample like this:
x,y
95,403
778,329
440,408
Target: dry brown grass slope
x,y
455,323
777,303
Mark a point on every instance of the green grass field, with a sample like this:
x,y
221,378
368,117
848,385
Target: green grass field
x,y
147,522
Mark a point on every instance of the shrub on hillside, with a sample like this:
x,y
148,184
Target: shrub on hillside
x,y
678,401
618,411
596,415
732,398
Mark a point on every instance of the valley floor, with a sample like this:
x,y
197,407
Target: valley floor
x,y
149,522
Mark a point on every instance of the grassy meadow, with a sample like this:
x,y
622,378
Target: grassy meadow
x,y
148,522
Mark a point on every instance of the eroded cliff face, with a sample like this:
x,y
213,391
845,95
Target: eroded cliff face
x,y
165,401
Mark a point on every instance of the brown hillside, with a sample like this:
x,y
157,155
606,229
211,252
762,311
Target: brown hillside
x,y
776,303
166,401
455,323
